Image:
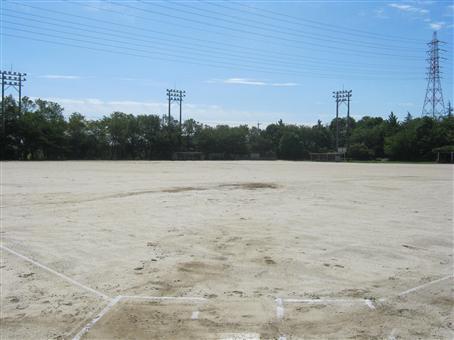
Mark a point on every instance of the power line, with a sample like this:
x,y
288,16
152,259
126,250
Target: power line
x,y
345,50
277,29
178,58
265,61
313,23
256,51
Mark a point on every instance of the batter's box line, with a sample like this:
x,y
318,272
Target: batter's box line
x,y
112,301
280,309
118,298
371,303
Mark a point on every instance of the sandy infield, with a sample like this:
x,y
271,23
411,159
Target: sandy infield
x,y
226,250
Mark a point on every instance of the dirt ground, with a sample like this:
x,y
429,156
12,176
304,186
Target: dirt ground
x,y
270,250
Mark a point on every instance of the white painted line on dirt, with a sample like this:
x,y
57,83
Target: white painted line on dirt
x,y
279,308
392,334
195,315
369,303
157,298
89,325
424,285
325,301
240,336
80,324
64,277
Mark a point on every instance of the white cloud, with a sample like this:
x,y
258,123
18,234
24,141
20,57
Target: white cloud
x,y
409,8
420,13
437,25
94,108
284,84
243,81
253,82
59,76
401,7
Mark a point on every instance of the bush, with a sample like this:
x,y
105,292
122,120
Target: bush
x,y
360,151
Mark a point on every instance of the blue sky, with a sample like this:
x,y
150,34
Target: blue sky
x,y
239,62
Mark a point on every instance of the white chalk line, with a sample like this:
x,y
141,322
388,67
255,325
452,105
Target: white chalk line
x,y
279,308
158,298
239,336
368,302
118,298
424,285
89,325
392,334
324,301
63,276
81,323
279,301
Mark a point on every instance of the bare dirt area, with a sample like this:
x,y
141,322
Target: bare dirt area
x,y
226,250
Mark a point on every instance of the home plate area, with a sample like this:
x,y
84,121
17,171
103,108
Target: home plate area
x,y
149,318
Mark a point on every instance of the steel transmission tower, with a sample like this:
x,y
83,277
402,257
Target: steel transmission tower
x,y
433,102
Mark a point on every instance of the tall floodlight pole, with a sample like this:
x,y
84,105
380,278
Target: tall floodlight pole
x,y
342,97
433,101
337,120
3,94
180,95
175,96
169,95
14,80
348,95
20,94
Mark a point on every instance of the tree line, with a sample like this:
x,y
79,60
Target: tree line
x,y
40,131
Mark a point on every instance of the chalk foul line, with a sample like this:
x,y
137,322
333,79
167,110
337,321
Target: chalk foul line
x,y
98,317
408,291
63,276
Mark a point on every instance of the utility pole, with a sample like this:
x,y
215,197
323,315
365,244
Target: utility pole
x,y
349,95
337,120
342,97
449,109
181,95
258,126
170,97
433,101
